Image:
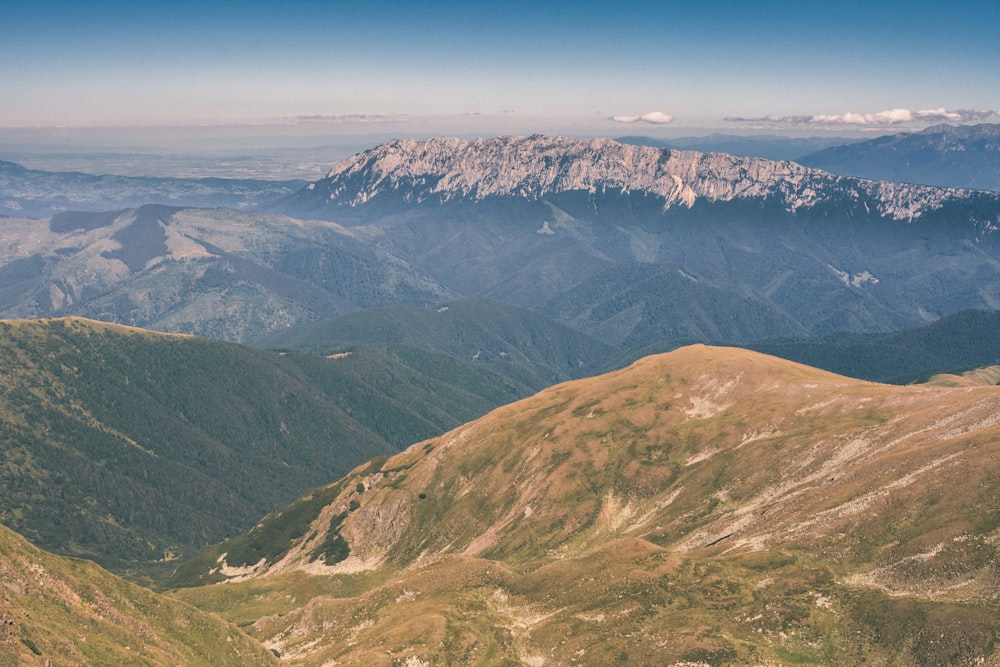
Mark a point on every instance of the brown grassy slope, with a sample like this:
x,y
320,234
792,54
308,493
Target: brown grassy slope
x,y
987,375
708,505
62,611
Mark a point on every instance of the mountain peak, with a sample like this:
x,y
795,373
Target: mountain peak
x,y
533,167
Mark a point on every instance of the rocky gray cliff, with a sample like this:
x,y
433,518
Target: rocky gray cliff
x,y
444,168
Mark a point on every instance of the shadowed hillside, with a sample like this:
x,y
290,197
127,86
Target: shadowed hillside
x,y
965,340
134,448
525,346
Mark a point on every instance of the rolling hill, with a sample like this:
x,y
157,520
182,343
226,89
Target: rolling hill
x,y
706,506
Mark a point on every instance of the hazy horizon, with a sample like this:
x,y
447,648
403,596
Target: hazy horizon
x,y
128,71
307,151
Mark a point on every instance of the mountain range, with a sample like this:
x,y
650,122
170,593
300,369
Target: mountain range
x,y
533,167
710,505
547,223
706,506
945,155
628,244
40,194
770,147
961,156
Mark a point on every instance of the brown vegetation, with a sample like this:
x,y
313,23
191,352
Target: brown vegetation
x,y
710,505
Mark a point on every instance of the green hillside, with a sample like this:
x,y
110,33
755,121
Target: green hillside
x,y
635,304
134,448
58,611
521,344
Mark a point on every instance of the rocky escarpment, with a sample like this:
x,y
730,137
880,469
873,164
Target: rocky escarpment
x,y
533,167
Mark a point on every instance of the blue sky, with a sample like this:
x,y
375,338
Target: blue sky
x,y
655,67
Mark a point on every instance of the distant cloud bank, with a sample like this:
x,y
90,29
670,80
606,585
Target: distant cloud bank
x,y
349,118
653,118
889,117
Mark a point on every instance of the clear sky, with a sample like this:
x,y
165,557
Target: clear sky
x,y
488,68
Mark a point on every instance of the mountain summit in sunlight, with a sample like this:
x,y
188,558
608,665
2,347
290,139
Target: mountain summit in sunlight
x,y
533,167
709,505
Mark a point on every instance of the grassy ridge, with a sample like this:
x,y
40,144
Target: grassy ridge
x,y
712,505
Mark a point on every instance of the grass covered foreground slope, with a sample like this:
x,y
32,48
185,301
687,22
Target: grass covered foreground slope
x,y
706,506
134,448
59,611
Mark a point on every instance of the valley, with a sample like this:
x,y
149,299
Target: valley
x,y
138,449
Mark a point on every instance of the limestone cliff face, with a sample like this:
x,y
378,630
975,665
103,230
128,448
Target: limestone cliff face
x,y
443,169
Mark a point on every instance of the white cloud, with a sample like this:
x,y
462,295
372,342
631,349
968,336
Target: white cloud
x,y
653,118
888,117
959,116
